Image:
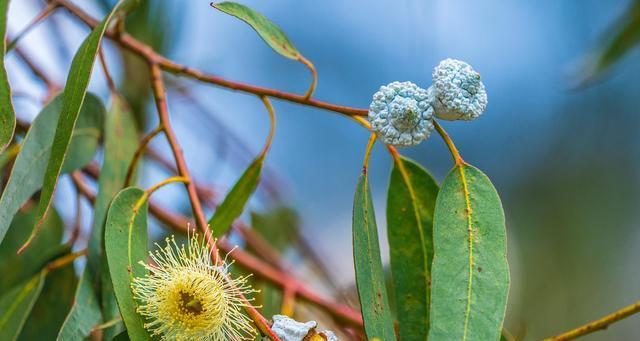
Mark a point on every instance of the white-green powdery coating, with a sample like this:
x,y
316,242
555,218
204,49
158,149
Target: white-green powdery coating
x,y
458,91
401,114
288,329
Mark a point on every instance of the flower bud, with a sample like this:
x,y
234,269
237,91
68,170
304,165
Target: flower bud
x,y
401,114
458,92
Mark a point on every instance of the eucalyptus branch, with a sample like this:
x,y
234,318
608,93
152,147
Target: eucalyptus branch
x,y
259,268
157,85
107,75
51,86
170,66
138,154
599,324
46,12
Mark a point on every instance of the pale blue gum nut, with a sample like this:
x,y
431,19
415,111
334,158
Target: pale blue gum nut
x,y
401,114
458,93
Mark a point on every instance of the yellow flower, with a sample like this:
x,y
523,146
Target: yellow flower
x,y
186,296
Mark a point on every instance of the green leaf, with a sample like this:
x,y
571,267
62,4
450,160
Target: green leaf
x,y
82,317
72,99
234,202
410,203
376,313
119,146
30,164
268,31
624,37
280,226
123,336
16,269
52,305
7,115
16,304
126,246
470,274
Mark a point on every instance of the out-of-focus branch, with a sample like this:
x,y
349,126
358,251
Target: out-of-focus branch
x,y
600,324
51,86
168,65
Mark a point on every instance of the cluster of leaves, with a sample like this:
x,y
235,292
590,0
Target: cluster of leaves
x,y
447,243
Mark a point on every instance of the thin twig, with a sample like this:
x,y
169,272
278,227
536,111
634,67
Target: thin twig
x,y
105,69
168,65
51,7
457,159
600,324
51,86
157,85
138,154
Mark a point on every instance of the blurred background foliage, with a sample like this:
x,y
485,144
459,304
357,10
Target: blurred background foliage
x,y
559,139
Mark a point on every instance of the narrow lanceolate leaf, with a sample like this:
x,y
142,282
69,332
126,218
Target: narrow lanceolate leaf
x,y
7,115
16,269
470,274
30,164
126,245
268,31
410,204
52,305
234,202
72,99
620,41
376,313
16,305
119,146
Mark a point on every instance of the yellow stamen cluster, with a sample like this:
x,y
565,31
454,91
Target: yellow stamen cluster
x,y
186,296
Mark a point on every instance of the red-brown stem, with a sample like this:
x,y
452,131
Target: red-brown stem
x,y
38,19
168,65
105,69
158,62
157,85
259,245
52,87
259,268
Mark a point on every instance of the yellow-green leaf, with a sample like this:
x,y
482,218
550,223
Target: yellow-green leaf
x,y
7,114
410,204
125,242
31,162
233,204
15,269
52,305
370,282
267,30
16,305
470,274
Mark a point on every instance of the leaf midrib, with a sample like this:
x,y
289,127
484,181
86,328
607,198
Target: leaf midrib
x,y
467,199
